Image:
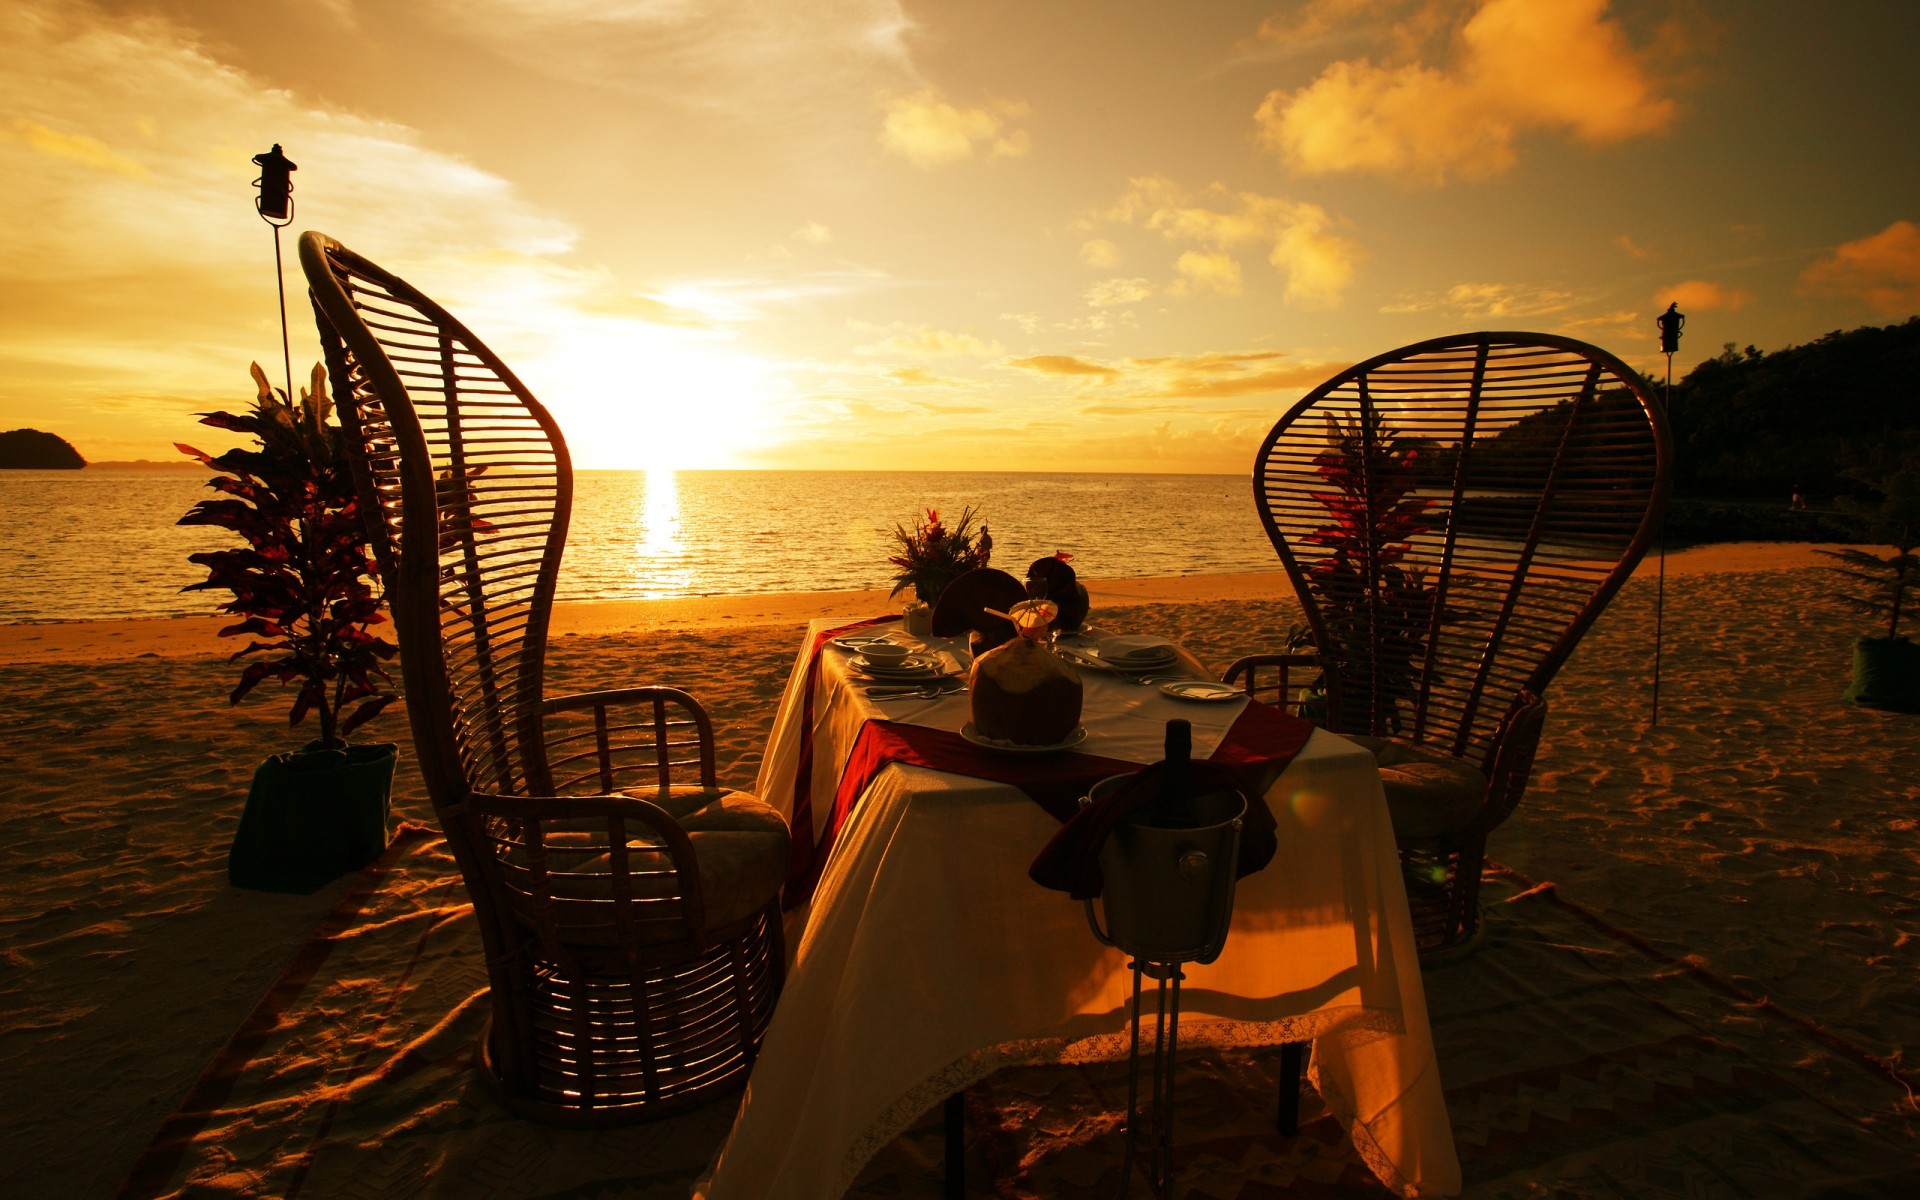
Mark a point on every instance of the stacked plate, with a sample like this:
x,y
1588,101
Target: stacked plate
x,y
1135,653
914,668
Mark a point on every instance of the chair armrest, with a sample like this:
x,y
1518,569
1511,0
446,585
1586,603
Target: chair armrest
x,y
596,827
1509,761
1281,689
590,747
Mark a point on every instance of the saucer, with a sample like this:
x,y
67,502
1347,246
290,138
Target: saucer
x,y
1202,689
996,746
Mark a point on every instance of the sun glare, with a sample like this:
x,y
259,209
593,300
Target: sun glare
x,y
637,396
659,557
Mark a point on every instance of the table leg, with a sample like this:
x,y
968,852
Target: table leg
x,y
956,1121
1293,1061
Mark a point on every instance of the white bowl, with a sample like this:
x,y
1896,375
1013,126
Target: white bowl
x,y
884,654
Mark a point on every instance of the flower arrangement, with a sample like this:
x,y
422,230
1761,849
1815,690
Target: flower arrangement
x,y
303,579
932,555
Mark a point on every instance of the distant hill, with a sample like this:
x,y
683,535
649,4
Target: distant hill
x,y
32,450
1750,424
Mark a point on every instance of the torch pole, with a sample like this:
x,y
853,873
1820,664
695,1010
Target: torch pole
x,y
280,276
1660,588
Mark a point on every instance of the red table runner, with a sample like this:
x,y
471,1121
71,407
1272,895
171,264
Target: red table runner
x,y
1261,742
802,861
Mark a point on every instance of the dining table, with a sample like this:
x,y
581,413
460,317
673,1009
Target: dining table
x,y
923,958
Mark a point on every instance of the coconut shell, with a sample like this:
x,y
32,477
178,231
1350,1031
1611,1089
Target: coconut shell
x,y
1022,692
963,606
1057,582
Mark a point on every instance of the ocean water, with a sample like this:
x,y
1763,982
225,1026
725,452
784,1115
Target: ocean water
x,y
102,543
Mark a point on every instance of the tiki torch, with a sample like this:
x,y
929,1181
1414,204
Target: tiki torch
x,y
275,206
1670,323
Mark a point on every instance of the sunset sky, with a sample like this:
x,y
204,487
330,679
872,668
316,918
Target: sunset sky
x,y
1025,234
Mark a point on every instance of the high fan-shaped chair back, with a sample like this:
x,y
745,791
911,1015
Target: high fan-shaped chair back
x,y
622,988
472,453
1454,515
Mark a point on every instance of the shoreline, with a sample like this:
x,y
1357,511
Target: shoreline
x,y
198,636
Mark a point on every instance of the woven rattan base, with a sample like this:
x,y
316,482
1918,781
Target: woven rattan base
x,y
615,1049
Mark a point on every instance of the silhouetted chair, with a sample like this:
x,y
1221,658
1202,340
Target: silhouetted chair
x,y
627,904
1454,515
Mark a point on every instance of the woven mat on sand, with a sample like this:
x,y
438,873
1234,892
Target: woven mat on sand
x,y
1576,1066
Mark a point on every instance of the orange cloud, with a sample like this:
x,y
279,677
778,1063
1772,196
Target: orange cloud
x,y
1519,65
1063,364
1883,270
1703,296
1207,272
916,376
75,148
1488,300
929,132
1226,375
1299,238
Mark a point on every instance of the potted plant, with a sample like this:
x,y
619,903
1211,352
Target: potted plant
x,y
302,585
1374,606
1886,669
932,556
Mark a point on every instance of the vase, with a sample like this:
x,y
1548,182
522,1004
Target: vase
x,y
1886,674
919,619
312,816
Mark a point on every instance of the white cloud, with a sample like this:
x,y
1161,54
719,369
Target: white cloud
x,y
1101,253
1113,293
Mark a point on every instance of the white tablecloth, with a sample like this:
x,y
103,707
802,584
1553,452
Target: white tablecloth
x,y
928,959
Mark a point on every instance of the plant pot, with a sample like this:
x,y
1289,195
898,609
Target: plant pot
x,y
1886,674
312,816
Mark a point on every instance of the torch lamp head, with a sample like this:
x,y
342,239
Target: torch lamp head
x,y
275,183
1670,323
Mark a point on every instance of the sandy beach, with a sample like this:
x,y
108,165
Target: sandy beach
x,y
1764,831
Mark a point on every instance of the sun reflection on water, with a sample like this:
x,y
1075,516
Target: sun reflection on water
x,y
660,567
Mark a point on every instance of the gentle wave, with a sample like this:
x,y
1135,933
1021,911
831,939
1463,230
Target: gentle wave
x,y
103,543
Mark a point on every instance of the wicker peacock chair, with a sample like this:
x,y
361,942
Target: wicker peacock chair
x,y
628,905
1454,515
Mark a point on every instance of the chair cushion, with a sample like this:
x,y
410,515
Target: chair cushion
x,y
740,844
1430,793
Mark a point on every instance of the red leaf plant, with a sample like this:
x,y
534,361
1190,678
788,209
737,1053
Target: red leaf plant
x,y
1376,609
303,583
933,556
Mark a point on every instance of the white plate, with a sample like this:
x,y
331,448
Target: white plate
x,y
852,642
1134,662
913,666
997,746
1202,689
1135,648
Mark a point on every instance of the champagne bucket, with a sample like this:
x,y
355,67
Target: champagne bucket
x,y
1169,892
